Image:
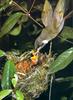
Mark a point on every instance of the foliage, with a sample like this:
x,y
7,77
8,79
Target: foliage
x,y
19,95
2,53
67,33
62,61
21,26
9,24
4,93
9,70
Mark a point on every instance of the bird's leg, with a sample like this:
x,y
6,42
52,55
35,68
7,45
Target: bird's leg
x,y
50,47
43,44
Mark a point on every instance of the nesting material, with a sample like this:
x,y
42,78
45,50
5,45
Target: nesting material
x,y
33,75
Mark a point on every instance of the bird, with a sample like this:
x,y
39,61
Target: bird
x,y
53,22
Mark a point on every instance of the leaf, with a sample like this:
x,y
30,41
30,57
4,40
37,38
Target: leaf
x,y
8,73
64,98
34,30
16,31
4,4
4,93
14,80
62,61
39,7
2,53
24,5
47,13
67,33
19,95
24,19
9,24
67,79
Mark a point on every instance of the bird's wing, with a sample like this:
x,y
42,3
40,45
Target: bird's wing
x,y
47,13
58,17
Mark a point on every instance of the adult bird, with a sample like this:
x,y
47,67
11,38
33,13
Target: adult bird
x,y
53,22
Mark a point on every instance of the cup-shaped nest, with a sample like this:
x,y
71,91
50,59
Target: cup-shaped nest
x,y
33,77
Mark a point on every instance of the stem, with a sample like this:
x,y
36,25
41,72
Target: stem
x,y
32,6
35,21
66,40
69,15
24,10
50,87
27,13
50,48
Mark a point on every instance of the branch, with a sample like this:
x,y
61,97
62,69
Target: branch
x,y
32,6
27,13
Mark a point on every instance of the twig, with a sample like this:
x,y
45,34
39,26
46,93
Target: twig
x,y
24,10
27,13
66,40
32,6
50,48
50,87
69,15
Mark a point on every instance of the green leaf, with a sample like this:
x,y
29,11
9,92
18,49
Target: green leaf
x,y
2,53
4,93
67,33
4,4
19,95
24,5
62,61
64,98
67,79
8,73
39,7
9,24
34,30
14,80
24,19
16,31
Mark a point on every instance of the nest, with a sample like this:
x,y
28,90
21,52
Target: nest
x,y
33,77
